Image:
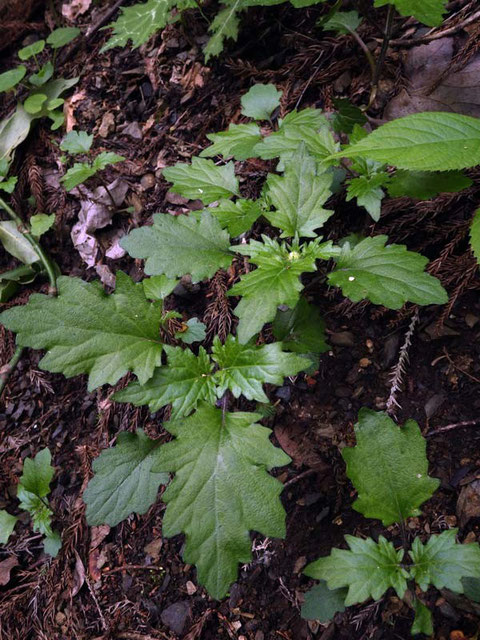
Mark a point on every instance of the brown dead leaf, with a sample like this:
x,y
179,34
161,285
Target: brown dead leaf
x,y
468,503
71,10
78,575
154,547
5,568
294,441
69,109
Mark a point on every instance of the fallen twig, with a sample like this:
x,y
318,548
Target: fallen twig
x,y
451,427
400,368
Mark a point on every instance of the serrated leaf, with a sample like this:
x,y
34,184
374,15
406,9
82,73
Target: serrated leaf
x,y
389,468
169,245
237,141
367,191
79,173
40,223
284,143
275,281
346,116
221,491
260,101
223,27
38,473
423,185
387,275
76,142
11,78
313,118
430,12
423,619
443,562
343,22
40,512
428,141
301,329
192,331
62,36
158,287
31,50
203,180
138,23
298,197
322,603
244,368
105,159
185,381
16,243
7,525
237,217
87,331
123,481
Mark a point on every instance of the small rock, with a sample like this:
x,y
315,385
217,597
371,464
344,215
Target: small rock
x,y
471,320
153,548
148,181
342,339
107,126
433,405
468,503
299,564
191,588
133,130
175,616
60,617
284,393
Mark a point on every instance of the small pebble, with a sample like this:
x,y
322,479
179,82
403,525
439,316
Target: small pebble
x,y
148,181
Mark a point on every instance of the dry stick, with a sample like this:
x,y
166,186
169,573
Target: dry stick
x,y
383,52
413,42
450,427
400,368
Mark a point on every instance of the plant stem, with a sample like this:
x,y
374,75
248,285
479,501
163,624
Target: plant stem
x,y
383,52
7,370
52,291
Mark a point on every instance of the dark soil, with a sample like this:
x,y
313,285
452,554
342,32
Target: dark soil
x,y
126,582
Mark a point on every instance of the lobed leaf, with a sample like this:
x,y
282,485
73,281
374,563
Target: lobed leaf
x,y
260,101
203,180
237,217
223,27
237,142
301,329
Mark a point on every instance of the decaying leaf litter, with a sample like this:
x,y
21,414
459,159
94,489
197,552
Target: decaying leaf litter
x,y
168,79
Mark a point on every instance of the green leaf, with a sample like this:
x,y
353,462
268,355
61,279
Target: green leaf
x,y
430,12
313,118
221,491
367,191
170,244
16,243
423,619
298,197
8,289
368,569
237,142
31,50
52,544
389,468
443,562
7,525
346,116
428,141
260,101
471,588
34,103
322,603
54,104
43,76
138,23
57,118
423,185
284,143
158,287
301,329
11,78
105,159
195,331
87,331
76,142
243,368
123,481
77,174
38,473
343,22
237,217
203,180
8,185
62,36
41,223
275,281
40,512
387,275
224,26
183,383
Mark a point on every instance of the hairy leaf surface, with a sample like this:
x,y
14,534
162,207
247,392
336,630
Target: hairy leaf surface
x,y
224,26
237,141
123,481
260,101
87,331
389,468
237,217
203,180
221,491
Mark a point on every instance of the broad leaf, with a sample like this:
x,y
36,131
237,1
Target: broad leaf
x,y
389,468
313,118
472,588
52,544
430,12
367,191
177,245
158,287
243,368
77,142
192,331
423,619
79,173
11,78
298,197
301,329
275,281
237,142
31,50
123,481
185,381
16,243
368,569
260,101
387,275
428,141
139,22
285,142
87,331
423,185
203,180
42,76
7,525
237,217
38,473
342,22
34,103
62,36
40,223
346,116
221,491
443,562
475,235
322,603
105,159
224,26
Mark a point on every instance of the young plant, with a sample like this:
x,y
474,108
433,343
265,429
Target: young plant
x,y
389,469
33,489
79,143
